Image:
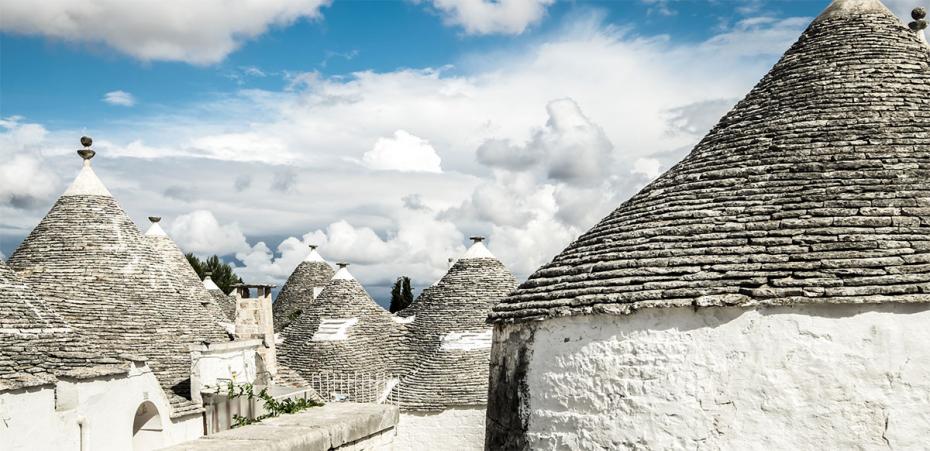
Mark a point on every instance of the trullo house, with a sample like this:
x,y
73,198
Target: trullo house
x,y
343,336
301,288
443,391
104,332
770,291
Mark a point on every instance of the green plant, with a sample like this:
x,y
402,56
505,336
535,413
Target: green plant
x,y
273,407
222,273
401,294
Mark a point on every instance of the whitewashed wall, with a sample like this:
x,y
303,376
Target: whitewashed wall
x,y
106,407
805,377
452,429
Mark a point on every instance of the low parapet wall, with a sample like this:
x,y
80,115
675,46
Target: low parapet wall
x,y
335,426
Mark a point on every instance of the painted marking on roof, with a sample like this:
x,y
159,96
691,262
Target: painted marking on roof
x,y
155,230
343,274
314,256
87,184
466,341
478,250
402,320
209,284
334,329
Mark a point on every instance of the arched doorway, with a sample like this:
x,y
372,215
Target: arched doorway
x,y
146,428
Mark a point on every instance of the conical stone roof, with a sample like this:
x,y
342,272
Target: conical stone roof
x,y
36,345
344,331
88,260
815,188
178,266
303,285
226,302
449,340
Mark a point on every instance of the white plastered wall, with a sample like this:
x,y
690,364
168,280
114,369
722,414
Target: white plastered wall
x,y
105,406
803,377
453,429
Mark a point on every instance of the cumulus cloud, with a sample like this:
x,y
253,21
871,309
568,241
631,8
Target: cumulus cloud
x,y
698,118
25,181
201,233
570,147
121,98
647,167
284,180
201,32
403,152
492,16
517,133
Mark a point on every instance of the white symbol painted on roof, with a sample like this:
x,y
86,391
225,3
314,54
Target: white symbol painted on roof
x,y
334,329
466,341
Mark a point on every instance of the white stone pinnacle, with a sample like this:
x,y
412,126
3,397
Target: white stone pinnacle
x,y
343,274
478,250
314,256
87,184
155,230
209,284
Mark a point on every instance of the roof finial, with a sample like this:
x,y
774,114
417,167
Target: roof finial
x,y
312,246
476,238
207,273
342,265
154,219
86,153
919,15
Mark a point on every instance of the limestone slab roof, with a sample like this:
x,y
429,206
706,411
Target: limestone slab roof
x,y
436,375
174,260
89,261
37,346
297,292
815,188
368,345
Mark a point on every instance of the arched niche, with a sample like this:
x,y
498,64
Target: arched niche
x,y
147,429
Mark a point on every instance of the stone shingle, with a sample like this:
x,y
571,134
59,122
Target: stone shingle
x,y
213,306
298,292
368,346
91,264
813,189
37,346
436,378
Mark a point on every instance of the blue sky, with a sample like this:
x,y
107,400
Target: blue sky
x,y
61,82
387,132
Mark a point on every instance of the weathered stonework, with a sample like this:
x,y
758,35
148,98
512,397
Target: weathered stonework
x,y
301,288
780,377
94,268
769,291
813,189
441,370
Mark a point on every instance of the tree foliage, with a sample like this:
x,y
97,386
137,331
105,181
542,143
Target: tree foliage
x,y
401,294
222,273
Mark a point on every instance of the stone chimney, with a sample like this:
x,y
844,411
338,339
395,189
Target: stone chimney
x,y
254,320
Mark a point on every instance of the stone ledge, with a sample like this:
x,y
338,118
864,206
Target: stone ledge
x,y
318,429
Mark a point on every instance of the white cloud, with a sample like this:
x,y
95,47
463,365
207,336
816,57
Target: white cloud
x,y
903,8
25,181
518,132
492,16
199,32
200,232
403,152
647,167
121,98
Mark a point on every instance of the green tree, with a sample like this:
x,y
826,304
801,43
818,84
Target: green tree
x,y
401,294
222,273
